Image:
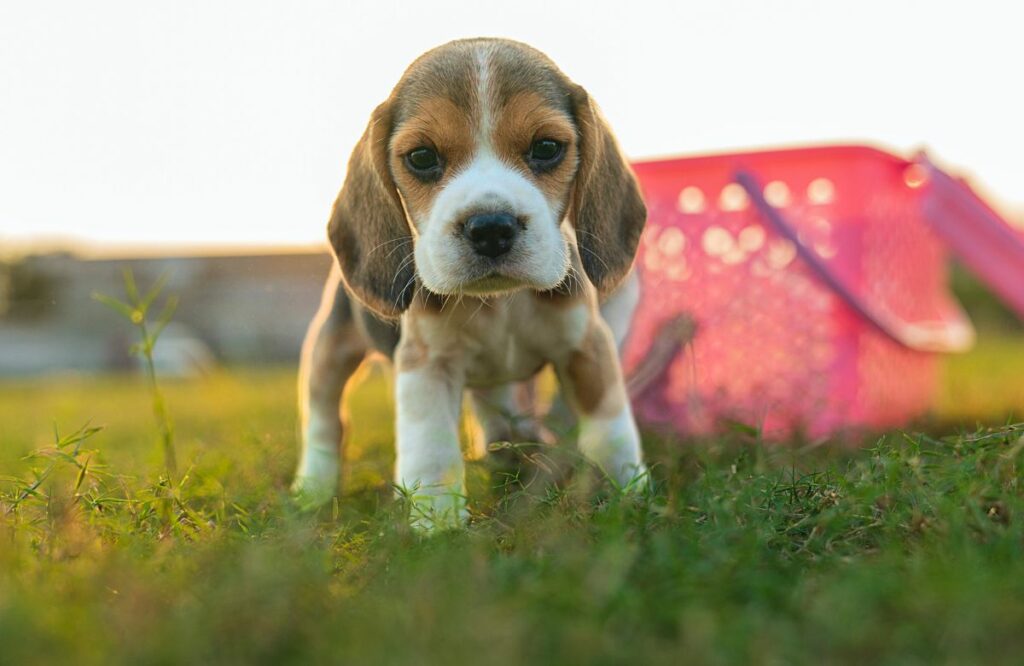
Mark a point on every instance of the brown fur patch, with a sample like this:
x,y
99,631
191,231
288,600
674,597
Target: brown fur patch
x,y
439,123
592,373
607,209
516,68
332,351
529,116
448,71
336,353
368,230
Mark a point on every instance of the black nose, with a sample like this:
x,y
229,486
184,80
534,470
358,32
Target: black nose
x,y
491,234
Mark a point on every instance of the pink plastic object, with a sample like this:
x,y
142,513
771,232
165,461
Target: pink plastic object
x,y
980,238
816,284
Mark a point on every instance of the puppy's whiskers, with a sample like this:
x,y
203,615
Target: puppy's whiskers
x,y
411,282
483,302
392,241
409,259
407,239
592,253
574,282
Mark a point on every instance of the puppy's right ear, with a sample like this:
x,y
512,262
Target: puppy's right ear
x,y
368,229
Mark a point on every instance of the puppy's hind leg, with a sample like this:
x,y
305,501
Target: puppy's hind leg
x,y
331,353
505,413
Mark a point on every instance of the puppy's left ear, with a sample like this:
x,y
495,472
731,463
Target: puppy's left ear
x,y
368,229
607,210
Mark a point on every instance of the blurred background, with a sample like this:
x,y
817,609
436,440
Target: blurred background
x,y
206,142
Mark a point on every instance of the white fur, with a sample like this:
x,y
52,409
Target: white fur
x,y
613,444
318,464
445,261
618,308
483,95
316,476
429,466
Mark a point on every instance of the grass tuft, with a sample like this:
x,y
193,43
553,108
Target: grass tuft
x,y
136,311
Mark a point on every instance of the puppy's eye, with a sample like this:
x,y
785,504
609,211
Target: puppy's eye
x,y
424,162
544,154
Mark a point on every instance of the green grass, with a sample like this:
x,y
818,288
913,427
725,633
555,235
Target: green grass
x,y
907,551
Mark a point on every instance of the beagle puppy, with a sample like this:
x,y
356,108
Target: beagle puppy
x,y
486,217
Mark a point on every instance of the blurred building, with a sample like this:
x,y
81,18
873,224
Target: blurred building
x,y
232,309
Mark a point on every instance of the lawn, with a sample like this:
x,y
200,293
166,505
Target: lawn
x,y
908,550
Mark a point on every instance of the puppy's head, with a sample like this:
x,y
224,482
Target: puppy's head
x,y
465,174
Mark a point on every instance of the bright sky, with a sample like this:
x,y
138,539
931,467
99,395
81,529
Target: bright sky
x,y
197,122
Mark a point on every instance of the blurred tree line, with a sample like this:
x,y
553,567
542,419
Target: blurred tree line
x,y
25,290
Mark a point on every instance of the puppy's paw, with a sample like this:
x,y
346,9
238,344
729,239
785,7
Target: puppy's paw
x,y
316,480
636,480
314,488
311,493
430,513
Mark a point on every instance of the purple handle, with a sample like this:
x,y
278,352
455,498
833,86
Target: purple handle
x,y
976,233
954,334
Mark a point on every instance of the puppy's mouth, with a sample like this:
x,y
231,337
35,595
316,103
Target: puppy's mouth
x,y
493,283
465,272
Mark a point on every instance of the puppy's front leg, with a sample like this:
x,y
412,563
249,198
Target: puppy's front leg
x,y
591,380
429,466
331,353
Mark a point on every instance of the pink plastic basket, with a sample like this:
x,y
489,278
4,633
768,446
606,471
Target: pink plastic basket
x,y
816,283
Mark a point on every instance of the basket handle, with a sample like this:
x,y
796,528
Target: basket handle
x,y
978,235
954,333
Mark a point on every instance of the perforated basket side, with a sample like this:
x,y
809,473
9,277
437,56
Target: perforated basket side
x,y
775,345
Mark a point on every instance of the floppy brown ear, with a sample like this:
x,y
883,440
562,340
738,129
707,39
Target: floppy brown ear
x,y
368,228
607,211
